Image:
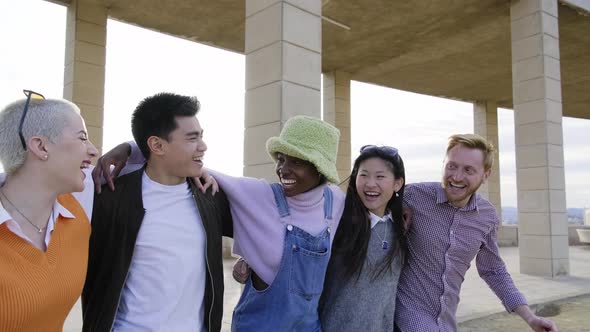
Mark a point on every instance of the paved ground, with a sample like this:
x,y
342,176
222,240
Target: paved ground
x,y
573,316
477,301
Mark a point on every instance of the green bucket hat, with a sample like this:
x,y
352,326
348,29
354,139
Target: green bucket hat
x,y
310,139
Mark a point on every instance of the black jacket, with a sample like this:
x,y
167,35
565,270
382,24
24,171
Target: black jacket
x,y
116,220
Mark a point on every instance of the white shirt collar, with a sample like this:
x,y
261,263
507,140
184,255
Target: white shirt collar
x,y
58,209
376,219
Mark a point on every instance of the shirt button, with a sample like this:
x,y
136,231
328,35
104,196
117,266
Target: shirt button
x,y
289,227
452,232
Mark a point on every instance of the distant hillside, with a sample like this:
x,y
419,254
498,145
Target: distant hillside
x,y
574,215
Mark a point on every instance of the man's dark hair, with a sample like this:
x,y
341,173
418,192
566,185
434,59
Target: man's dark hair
x,y
156,116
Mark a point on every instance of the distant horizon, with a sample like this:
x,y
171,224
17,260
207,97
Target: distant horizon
x,y
575,216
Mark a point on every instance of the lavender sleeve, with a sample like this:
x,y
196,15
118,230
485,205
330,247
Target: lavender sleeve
x,y
241,191
135,157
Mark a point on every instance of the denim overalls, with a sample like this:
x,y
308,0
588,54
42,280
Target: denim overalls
x,y
290,303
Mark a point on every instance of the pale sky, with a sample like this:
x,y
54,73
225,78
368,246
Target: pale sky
x,y
141,63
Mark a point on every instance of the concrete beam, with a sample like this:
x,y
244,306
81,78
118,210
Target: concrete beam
x,y
581,5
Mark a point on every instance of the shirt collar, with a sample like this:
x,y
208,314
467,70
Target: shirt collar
x,y
376,219
441,198
4,216
58,209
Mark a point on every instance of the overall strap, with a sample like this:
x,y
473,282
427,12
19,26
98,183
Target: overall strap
x,y
277,190
328,199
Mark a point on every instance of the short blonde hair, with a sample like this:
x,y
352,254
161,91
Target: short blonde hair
x,y
474,141
44,118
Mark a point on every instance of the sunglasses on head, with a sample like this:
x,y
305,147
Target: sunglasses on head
x,y
388,150
30,95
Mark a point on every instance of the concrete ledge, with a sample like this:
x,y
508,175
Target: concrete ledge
x,y
579,235
227,244
584,235
508,236
581,6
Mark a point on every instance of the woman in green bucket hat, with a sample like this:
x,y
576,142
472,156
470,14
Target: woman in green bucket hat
x,y
284,230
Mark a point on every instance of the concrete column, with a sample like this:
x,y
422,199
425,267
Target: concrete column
x,y
283,73
84,74
485,124
536,82
337,112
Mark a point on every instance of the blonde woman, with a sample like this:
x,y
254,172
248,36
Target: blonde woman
x,y
45,207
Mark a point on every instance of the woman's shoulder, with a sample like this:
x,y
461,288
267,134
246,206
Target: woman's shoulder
x,y
337,193
338,201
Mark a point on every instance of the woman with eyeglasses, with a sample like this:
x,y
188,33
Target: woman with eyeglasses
x,y
369,246
45,206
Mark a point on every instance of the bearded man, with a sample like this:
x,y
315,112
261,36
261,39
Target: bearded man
x,y
452,225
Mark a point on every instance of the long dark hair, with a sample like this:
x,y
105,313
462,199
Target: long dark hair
x,y
352,237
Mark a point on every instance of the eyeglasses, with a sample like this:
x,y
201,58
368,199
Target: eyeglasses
x,y
388,150
30,95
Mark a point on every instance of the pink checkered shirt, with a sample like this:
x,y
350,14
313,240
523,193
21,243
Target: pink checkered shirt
x,y
442,242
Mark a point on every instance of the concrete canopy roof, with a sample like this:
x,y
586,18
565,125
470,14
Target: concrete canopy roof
x,y
457,49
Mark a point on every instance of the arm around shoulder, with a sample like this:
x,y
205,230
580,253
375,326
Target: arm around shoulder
x,y
240,188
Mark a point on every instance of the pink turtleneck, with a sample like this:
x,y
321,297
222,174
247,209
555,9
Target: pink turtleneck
x,y
259,232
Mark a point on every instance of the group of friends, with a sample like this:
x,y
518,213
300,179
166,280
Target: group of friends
x,y
139,236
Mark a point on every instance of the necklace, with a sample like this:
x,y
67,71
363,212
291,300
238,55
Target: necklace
x,y
39,229
384,243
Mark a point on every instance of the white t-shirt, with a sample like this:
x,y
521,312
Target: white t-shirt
x,y
165,286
